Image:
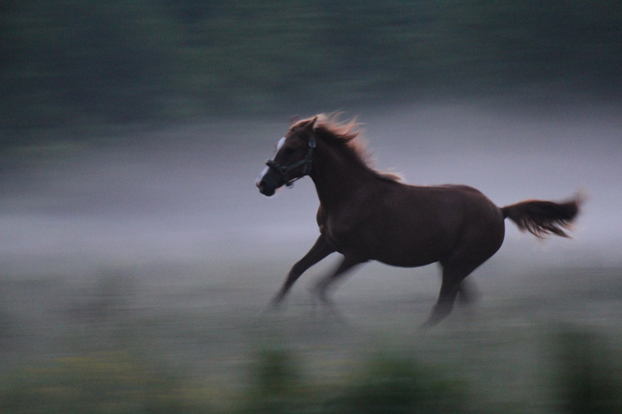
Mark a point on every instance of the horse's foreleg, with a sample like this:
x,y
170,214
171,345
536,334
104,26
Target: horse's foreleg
x,y
322,286
319,251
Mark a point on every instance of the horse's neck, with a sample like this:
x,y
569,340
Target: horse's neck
x,y
337,179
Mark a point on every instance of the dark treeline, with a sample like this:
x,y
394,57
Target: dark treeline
x,y
90,61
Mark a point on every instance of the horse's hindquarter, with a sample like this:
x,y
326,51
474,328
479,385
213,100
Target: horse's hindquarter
x,y
410,226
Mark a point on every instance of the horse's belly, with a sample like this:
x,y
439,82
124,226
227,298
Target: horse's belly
x,y
402,262
394,249
410,255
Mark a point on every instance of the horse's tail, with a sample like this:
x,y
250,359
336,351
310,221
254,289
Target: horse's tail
x,y
542,218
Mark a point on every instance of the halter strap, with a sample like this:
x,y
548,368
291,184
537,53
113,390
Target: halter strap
x,y
285,169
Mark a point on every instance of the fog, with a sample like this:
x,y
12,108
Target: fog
x,y
182,195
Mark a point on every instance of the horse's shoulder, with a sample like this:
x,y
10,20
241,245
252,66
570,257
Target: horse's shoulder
x,y
320,216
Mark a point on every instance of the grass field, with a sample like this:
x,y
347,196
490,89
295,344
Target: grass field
x,y
118,342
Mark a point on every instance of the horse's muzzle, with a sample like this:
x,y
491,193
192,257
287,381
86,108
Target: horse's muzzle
x,y
264,188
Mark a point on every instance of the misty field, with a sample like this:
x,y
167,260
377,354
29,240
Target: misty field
x,y
121,342
136,268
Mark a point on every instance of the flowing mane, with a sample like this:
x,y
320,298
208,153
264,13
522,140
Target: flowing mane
x,y
345,136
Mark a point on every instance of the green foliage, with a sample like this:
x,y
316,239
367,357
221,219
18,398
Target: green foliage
x,y
390,385
79,59
275,385
71,61
98,384
383,384
588,377
587,380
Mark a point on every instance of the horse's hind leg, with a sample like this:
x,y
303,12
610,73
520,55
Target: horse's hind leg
x,y
467,292
451,286
319,251
322,286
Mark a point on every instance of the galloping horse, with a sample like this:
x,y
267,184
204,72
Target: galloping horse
x,y
368,215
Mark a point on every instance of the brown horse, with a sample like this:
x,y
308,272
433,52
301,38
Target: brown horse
x,y
367,215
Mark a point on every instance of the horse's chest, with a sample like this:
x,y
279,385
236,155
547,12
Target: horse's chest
x,y
345,234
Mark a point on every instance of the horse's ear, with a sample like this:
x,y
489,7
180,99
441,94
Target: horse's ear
x,y
311,124
294,119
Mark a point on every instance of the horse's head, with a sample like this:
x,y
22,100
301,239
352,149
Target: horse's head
x,y
291,160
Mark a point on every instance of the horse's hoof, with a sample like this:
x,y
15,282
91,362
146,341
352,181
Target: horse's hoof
x,y
322,298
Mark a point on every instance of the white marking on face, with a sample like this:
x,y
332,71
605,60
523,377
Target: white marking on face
x,y
279,145
262,174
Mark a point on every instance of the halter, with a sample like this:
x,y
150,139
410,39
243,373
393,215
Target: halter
x,y
285,169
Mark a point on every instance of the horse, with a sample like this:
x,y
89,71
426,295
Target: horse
x,y
365,214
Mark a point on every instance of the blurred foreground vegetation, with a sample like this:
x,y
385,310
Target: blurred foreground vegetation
x,y
119,345
587,378
67,62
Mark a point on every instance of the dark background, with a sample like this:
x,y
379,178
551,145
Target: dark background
x,y
70,62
